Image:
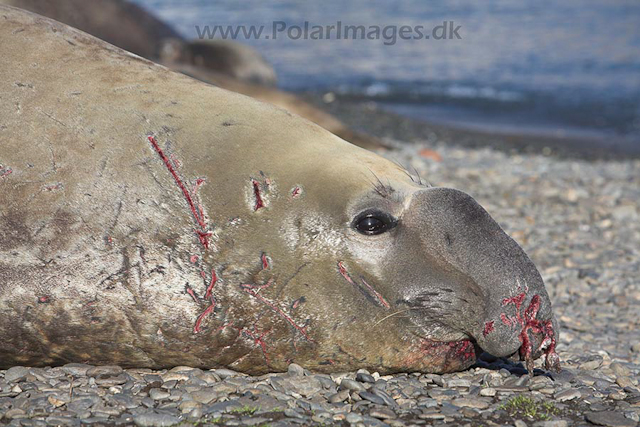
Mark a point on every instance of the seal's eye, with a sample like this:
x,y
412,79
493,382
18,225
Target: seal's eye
x,y
374,222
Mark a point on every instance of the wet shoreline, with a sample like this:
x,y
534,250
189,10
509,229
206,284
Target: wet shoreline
x,y
377,119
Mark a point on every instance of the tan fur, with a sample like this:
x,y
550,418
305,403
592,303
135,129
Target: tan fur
x,y
148,219
94,223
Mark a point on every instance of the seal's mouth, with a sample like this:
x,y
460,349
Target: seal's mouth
x,y
450,356
463,350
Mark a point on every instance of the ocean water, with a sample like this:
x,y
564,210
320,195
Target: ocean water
x,y
562,67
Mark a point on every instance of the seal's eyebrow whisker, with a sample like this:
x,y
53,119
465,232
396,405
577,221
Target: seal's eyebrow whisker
x,y
411,176
417,174
384,190
404,169
424,184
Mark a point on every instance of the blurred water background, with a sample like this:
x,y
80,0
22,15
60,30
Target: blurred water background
x,y
560,68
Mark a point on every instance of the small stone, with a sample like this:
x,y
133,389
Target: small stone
x,y
186,369
347,384
437,380
477,403
153,379
306,386
15,413
158,394
634,400
82,404
224,388
186,406
292,413
195,414
635,416
155,420
406,404
488,392
372,397
427,403
620,370
552,423
111,381
339,417
458,382
520,423
321,417
431,416
564,376
338,397
295,370
540,382
591,364
609,419
16,374
469,412
623,213
104,371
204,396
388,400
353,418
55,401
382,413
253,421
76,369
62,421
624,381
175,376
365,378
225,373
616,395
566,395
209,378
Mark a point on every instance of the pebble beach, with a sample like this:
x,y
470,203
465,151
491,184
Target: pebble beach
x,y
578,218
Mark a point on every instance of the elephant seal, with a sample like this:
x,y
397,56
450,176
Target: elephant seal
x,y
150,220
222,63
132,28
224,57
119,22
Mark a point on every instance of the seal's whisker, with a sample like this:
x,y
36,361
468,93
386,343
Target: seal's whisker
x,y
384,190
404,169
392,314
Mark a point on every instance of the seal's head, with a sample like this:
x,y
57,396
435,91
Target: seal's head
x,y
459,280
396,275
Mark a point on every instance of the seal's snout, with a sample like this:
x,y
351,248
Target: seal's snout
x,y
500,298
519,331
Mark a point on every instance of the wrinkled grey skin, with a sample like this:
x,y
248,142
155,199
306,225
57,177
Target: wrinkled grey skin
x,y
150,220
476,266
226,57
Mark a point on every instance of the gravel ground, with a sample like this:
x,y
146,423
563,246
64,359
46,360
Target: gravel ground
x,y
579,222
